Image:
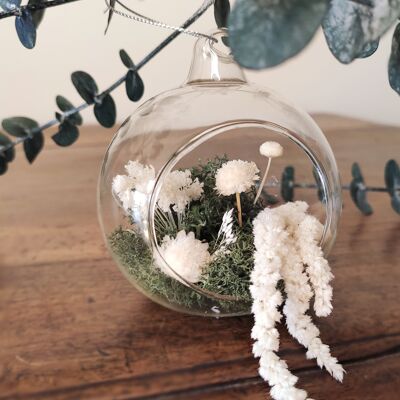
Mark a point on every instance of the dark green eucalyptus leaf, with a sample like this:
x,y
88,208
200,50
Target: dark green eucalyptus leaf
x,y
287,184
392,176
127,61
358,190
362,202
59,117
264,33
320,186
350,26
65,105
67,134
343,29
110,14
222,9
392,180
19,126
394,61
85,85
134,86
37,15
26,29
270,198
9,5
3,165
356,172
106,112
369,49
33,145
396,204
10,153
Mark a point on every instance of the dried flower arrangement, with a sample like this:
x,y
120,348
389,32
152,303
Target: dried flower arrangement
x,y
215,229
192,218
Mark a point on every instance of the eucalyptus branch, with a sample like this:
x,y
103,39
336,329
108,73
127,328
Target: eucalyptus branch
x,y
358,188
100,97
34,7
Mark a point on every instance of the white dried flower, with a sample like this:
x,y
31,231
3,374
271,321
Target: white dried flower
x,y
179,190
121,183
143,175
186,255
236,176
122,187
271,149
140,178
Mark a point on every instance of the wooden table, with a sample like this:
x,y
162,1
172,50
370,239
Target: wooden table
x,y
71,327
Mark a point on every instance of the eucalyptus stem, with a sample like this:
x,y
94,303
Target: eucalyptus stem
x,y
116,84
34,7
344,187
301,185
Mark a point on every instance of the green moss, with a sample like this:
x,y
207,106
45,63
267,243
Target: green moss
x,y
230,274
136,258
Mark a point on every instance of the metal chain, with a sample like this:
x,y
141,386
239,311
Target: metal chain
x,y
146,20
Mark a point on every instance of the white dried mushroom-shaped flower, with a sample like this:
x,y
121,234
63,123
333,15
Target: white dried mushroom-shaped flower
x,y
178,190
186,255
271,149
236,176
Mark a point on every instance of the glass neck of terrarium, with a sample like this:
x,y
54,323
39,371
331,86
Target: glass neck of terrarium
x,y
212,62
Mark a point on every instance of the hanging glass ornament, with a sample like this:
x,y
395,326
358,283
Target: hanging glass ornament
x,y
189,171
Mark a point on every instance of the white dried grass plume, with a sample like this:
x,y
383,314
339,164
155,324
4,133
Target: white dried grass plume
x,y
186,255
307,232
226,236
236,176
226,227
270,238
318,268
287,247
178,190
271,149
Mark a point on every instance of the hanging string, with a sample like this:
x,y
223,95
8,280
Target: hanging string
x,y
133,15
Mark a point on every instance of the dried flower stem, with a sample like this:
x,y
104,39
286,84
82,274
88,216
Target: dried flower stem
x,y
239,208
263,180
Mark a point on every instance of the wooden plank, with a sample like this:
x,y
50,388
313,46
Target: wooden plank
x,y
72,327
374,379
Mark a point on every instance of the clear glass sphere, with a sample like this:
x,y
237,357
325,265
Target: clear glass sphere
x,y
214,117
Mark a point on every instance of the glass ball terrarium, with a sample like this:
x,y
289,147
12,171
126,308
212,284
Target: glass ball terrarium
x,y
173,232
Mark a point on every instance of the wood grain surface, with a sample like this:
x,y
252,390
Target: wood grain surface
x,y
72,327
